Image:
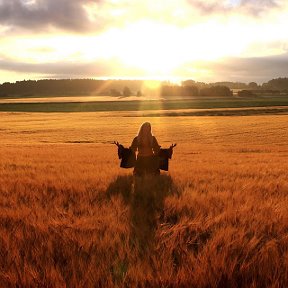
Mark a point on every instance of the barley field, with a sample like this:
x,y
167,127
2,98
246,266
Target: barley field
x,y
70,217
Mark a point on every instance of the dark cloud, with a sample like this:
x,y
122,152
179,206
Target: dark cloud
x,y
250,7
258,7
64,14
64,68
71,15
208,7
259,69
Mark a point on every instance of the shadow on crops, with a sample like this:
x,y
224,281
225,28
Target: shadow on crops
x,y
145,197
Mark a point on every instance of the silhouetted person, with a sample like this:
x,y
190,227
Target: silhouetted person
x,y
148,149
150,159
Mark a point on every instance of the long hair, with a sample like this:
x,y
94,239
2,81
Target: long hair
x,y
145,136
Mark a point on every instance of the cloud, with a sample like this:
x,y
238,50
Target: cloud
x,y
39,14
76,15
259,69
65,69
84,16
246,7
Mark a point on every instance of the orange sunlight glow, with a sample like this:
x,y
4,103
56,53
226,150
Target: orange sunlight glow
x,y
145,48
159,49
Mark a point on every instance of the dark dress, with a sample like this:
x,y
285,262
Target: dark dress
x,y
147,159
127,156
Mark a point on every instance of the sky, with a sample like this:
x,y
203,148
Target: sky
x,y
209,41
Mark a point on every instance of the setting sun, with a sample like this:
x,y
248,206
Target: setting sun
x,y
151,47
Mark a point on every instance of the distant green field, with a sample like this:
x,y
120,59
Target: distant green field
x,y
143,105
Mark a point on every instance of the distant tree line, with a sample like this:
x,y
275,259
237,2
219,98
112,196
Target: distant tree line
x,y
187,91
126,88
231,85
279,84
70,87
273,87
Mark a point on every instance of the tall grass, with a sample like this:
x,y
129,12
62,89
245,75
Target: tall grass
x,y
70,217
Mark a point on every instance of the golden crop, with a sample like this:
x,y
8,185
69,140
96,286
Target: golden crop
x,y
70,217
